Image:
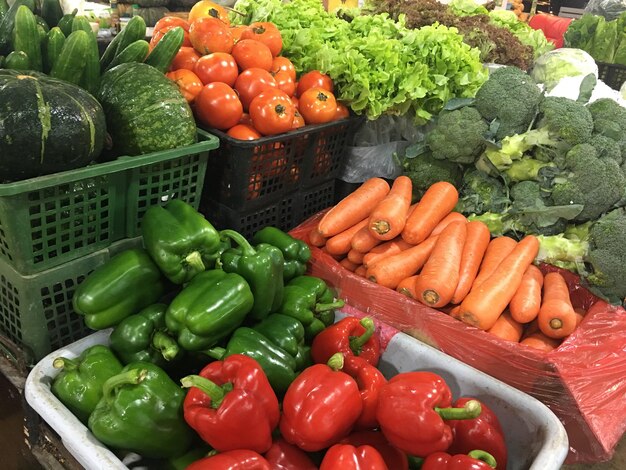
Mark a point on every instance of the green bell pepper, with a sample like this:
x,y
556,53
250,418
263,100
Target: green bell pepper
x,y
180,240
285,332
309,300
79,383
144,337
262,268
141,411
120,287
208,309
296,252
277,364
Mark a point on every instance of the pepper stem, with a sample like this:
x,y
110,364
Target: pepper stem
x,y
336,361
130,377
167,346
64,363
216,353
470,410
194,260
331,306
246,248
357,342
215,392
484,456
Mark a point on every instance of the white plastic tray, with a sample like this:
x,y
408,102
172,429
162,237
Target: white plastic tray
x,y
535,437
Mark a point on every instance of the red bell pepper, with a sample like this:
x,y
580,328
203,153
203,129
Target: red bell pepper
x,y
231,405
284,456
350,336
321,406
370,380
483,433
241,459
349,457
475,460
412,408
393,457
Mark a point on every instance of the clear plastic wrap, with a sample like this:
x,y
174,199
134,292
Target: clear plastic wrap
x,y
583,381
610,9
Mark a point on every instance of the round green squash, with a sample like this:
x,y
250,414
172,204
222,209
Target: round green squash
x,y
46,125
145,110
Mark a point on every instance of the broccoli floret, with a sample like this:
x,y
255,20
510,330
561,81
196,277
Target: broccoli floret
x,y
458,136
526,194
559,250
609,118
565,119
526,169
596,183
424,171
606,147
512,97
481,193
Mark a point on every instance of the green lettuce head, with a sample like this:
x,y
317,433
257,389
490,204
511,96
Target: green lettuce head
x,y
552,66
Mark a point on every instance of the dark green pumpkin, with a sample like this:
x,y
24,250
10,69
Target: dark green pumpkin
x,y
145,110
47,125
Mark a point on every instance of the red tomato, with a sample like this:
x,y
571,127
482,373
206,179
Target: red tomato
x,y
295,101
314,79
188,83
171,21
298,121
317,106
217,67
185,58
282,63
210,35
237,30
243,132
218,106
245,119
251,82
206,8
158,35
267,33
285,83
342,112
272,112
252,54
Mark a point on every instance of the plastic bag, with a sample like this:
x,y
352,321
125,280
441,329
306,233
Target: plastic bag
x,y
610,9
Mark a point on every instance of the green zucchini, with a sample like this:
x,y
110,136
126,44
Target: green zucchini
x,y
8,22
163,54
70,64
51,11
52,47
17,60
26,37
135,52
65,23
134,31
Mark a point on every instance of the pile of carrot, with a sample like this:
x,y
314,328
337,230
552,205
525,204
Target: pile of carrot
x,y
434,255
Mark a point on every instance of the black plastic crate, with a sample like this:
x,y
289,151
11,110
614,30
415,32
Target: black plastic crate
x,y
256,174
614,75
285,213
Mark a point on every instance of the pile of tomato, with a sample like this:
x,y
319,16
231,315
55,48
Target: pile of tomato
x,y
236,81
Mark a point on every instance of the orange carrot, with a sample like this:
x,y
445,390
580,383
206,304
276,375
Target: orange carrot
x,y
349,265
407,286
439,278
447,220
340,244
389,216
541,342
437,202
531,328
360,271
364,241
354,207
355,256
316,238
526,302
390,270
485,303
498,249
335,257
580,315
476,243
557,318
383,250
507,328
453,311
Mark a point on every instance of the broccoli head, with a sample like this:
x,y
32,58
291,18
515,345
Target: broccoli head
x,y
596,183
606,147
609,118
526,169
424,171
481,193
512,97
565,119
458,136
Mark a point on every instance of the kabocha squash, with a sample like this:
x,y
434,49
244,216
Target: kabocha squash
x,y
48,126
145,110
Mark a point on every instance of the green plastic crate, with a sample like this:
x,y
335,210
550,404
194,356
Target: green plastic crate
x,y
36,310
50,220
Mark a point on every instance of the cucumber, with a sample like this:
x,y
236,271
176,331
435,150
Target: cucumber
x,y
90,80
26,37
51,11
1,60
8,22
41,22
163,54
135,52
17,60
134,31
65,23
52,47
81,22
71,62
4,7
42,36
